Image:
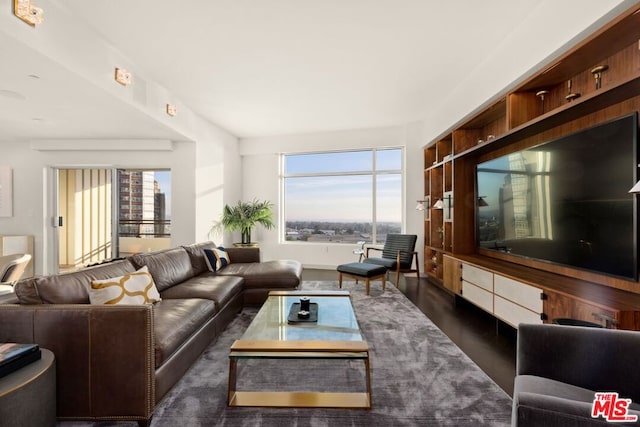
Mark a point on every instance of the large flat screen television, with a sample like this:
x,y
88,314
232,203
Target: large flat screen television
x,y
566,201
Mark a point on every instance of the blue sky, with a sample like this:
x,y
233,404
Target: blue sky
x,y
346,198
490,183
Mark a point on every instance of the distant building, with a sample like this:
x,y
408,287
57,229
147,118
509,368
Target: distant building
x,y
159,210
142,203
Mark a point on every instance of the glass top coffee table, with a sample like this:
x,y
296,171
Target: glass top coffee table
x,y
335,335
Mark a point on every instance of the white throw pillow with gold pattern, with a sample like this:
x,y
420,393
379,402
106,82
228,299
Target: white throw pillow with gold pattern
x,y
131,289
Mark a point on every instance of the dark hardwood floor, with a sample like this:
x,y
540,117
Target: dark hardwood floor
x,y
491,344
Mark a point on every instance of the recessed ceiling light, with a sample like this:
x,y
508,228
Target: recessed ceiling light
x,y
33,76
12,94
38,119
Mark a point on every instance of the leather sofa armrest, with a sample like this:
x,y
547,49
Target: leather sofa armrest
x,y
104,355
242,255
591,358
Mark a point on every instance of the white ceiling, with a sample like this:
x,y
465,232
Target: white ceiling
x,y
271,67
39,99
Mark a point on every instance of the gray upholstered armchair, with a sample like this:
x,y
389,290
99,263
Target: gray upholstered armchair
x,y
559,369
397,254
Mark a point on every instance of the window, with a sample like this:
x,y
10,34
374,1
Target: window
x,y
145,203
342,197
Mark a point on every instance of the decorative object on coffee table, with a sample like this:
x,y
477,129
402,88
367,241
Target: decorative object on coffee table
x,y
304,311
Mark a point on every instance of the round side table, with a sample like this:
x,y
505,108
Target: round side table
x,y
28,395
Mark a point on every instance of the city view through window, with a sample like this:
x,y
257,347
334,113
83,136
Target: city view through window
x,y
144,203
343,197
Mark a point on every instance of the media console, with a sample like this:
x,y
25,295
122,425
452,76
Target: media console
x,y
566,96
518,294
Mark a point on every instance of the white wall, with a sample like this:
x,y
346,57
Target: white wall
x,y
208,172
205,175
513,61
32,189
205,163
218,178
260,178
505,65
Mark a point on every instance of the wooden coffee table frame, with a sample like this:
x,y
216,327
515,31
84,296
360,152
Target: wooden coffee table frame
x,y
299,349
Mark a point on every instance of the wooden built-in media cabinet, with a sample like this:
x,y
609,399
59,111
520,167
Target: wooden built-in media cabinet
x,y
517,289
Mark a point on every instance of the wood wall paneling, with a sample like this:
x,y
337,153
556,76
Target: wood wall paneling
x,y
518,121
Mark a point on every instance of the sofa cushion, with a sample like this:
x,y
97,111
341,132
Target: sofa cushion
x,y
539,385
210,259
196,255
268,274
220,289
168,267
216,258
362,269
132,289
175,320
68,288
389,263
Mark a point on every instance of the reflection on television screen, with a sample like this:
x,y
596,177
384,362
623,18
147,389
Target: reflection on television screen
x,y
565,201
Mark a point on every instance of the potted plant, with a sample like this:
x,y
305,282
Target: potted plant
x,y
245,216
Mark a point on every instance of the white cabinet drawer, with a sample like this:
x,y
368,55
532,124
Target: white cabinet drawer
x,y
478,276
513,314
518,292
478,296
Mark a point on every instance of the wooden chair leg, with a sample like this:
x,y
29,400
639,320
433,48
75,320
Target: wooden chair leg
x,y
367,285
340,280
397,276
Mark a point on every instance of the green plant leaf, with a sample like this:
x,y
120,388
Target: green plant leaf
x,y
245,216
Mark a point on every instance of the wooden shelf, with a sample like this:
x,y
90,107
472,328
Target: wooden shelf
x,y
519,120
573,110
613,37
433,262
492,114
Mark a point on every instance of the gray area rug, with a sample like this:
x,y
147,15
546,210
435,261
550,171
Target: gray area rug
x,y
419,377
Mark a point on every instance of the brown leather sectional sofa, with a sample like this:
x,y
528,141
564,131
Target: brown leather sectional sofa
x,y
116,362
